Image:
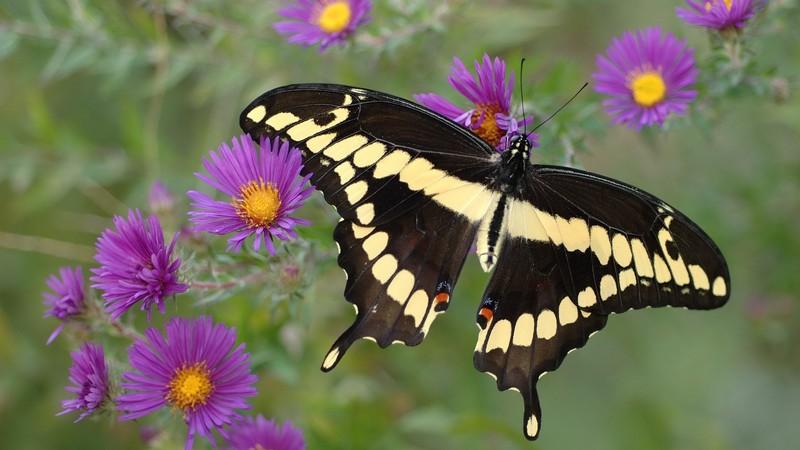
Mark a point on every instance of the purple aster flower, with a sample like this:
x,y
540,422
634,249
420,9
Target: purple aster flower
x,y
490,117
195,369
647,76
260,433
328,22
135,266
264,187
719,14
89,376
67,301
160,200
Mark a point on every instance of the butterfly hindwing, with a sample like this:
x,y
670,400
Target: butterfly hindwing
x,y
528,322
396,275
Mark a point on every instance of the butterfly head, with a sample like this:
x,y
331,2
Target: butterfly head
x,y
520,146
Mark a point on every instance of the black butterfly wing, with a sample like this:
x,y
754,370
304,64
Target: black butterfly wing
x,y
410,186
399,284
358,144
528,323
631,247
579,247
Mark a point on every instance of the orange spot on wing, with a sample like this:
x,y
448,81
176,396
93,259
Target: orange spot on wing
x,y
486,313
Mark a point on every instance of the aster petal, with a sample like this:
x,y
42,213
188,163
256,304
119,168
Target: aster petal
x,y
464,82
441,105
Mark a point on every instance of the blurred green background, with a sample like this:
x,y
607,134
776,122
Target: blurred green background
x,y
98,99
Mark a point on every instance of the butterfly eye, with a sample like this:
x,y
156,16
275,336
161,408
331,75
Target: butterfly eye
x,y
515,140
520,143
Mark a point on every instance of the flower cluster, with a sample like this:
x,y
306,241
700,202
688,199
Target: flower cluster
x,y
649,75
195,367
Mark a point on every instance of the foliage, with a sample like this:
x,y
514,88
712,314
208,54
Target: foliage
x,y
102,98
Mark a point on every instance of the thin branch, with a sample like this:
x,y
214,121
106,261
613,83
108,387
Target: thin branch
x,y
46,246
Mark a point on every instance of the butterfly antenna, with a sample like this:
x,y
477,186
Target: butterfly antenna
x,y
522,99
562,107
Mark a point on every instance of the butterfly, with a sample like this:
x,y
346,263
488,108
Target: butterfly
x,y
417,191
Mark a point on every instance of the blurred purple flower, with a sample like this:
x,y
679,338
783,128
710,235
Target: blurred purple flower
x,y
160,200
195,369
719,14
647,77
265,189
327,22
67,299
490,117
135,266
260,433
89,377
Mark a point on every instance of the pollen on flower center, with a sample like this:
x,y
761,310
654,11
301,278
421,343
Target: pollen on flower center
x,y
710,4
258,204
334,17
484,123
190,387
648,88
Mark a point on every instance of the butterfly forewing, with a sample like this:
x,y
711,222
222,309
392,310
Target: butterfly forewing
x,y
416,190
373,156
631,248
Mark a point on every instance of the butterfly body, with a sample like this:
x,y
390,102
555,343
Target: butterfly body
x,y
416,191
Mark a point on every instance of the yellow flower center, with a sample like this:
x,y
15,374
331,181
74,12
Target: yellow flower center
x,y
710,4
648,88
190,386
334,16
258,204
488,130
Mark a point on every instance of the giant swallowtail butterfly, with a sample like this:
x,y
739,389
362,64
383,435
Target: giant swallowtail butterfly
x,y
417,191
